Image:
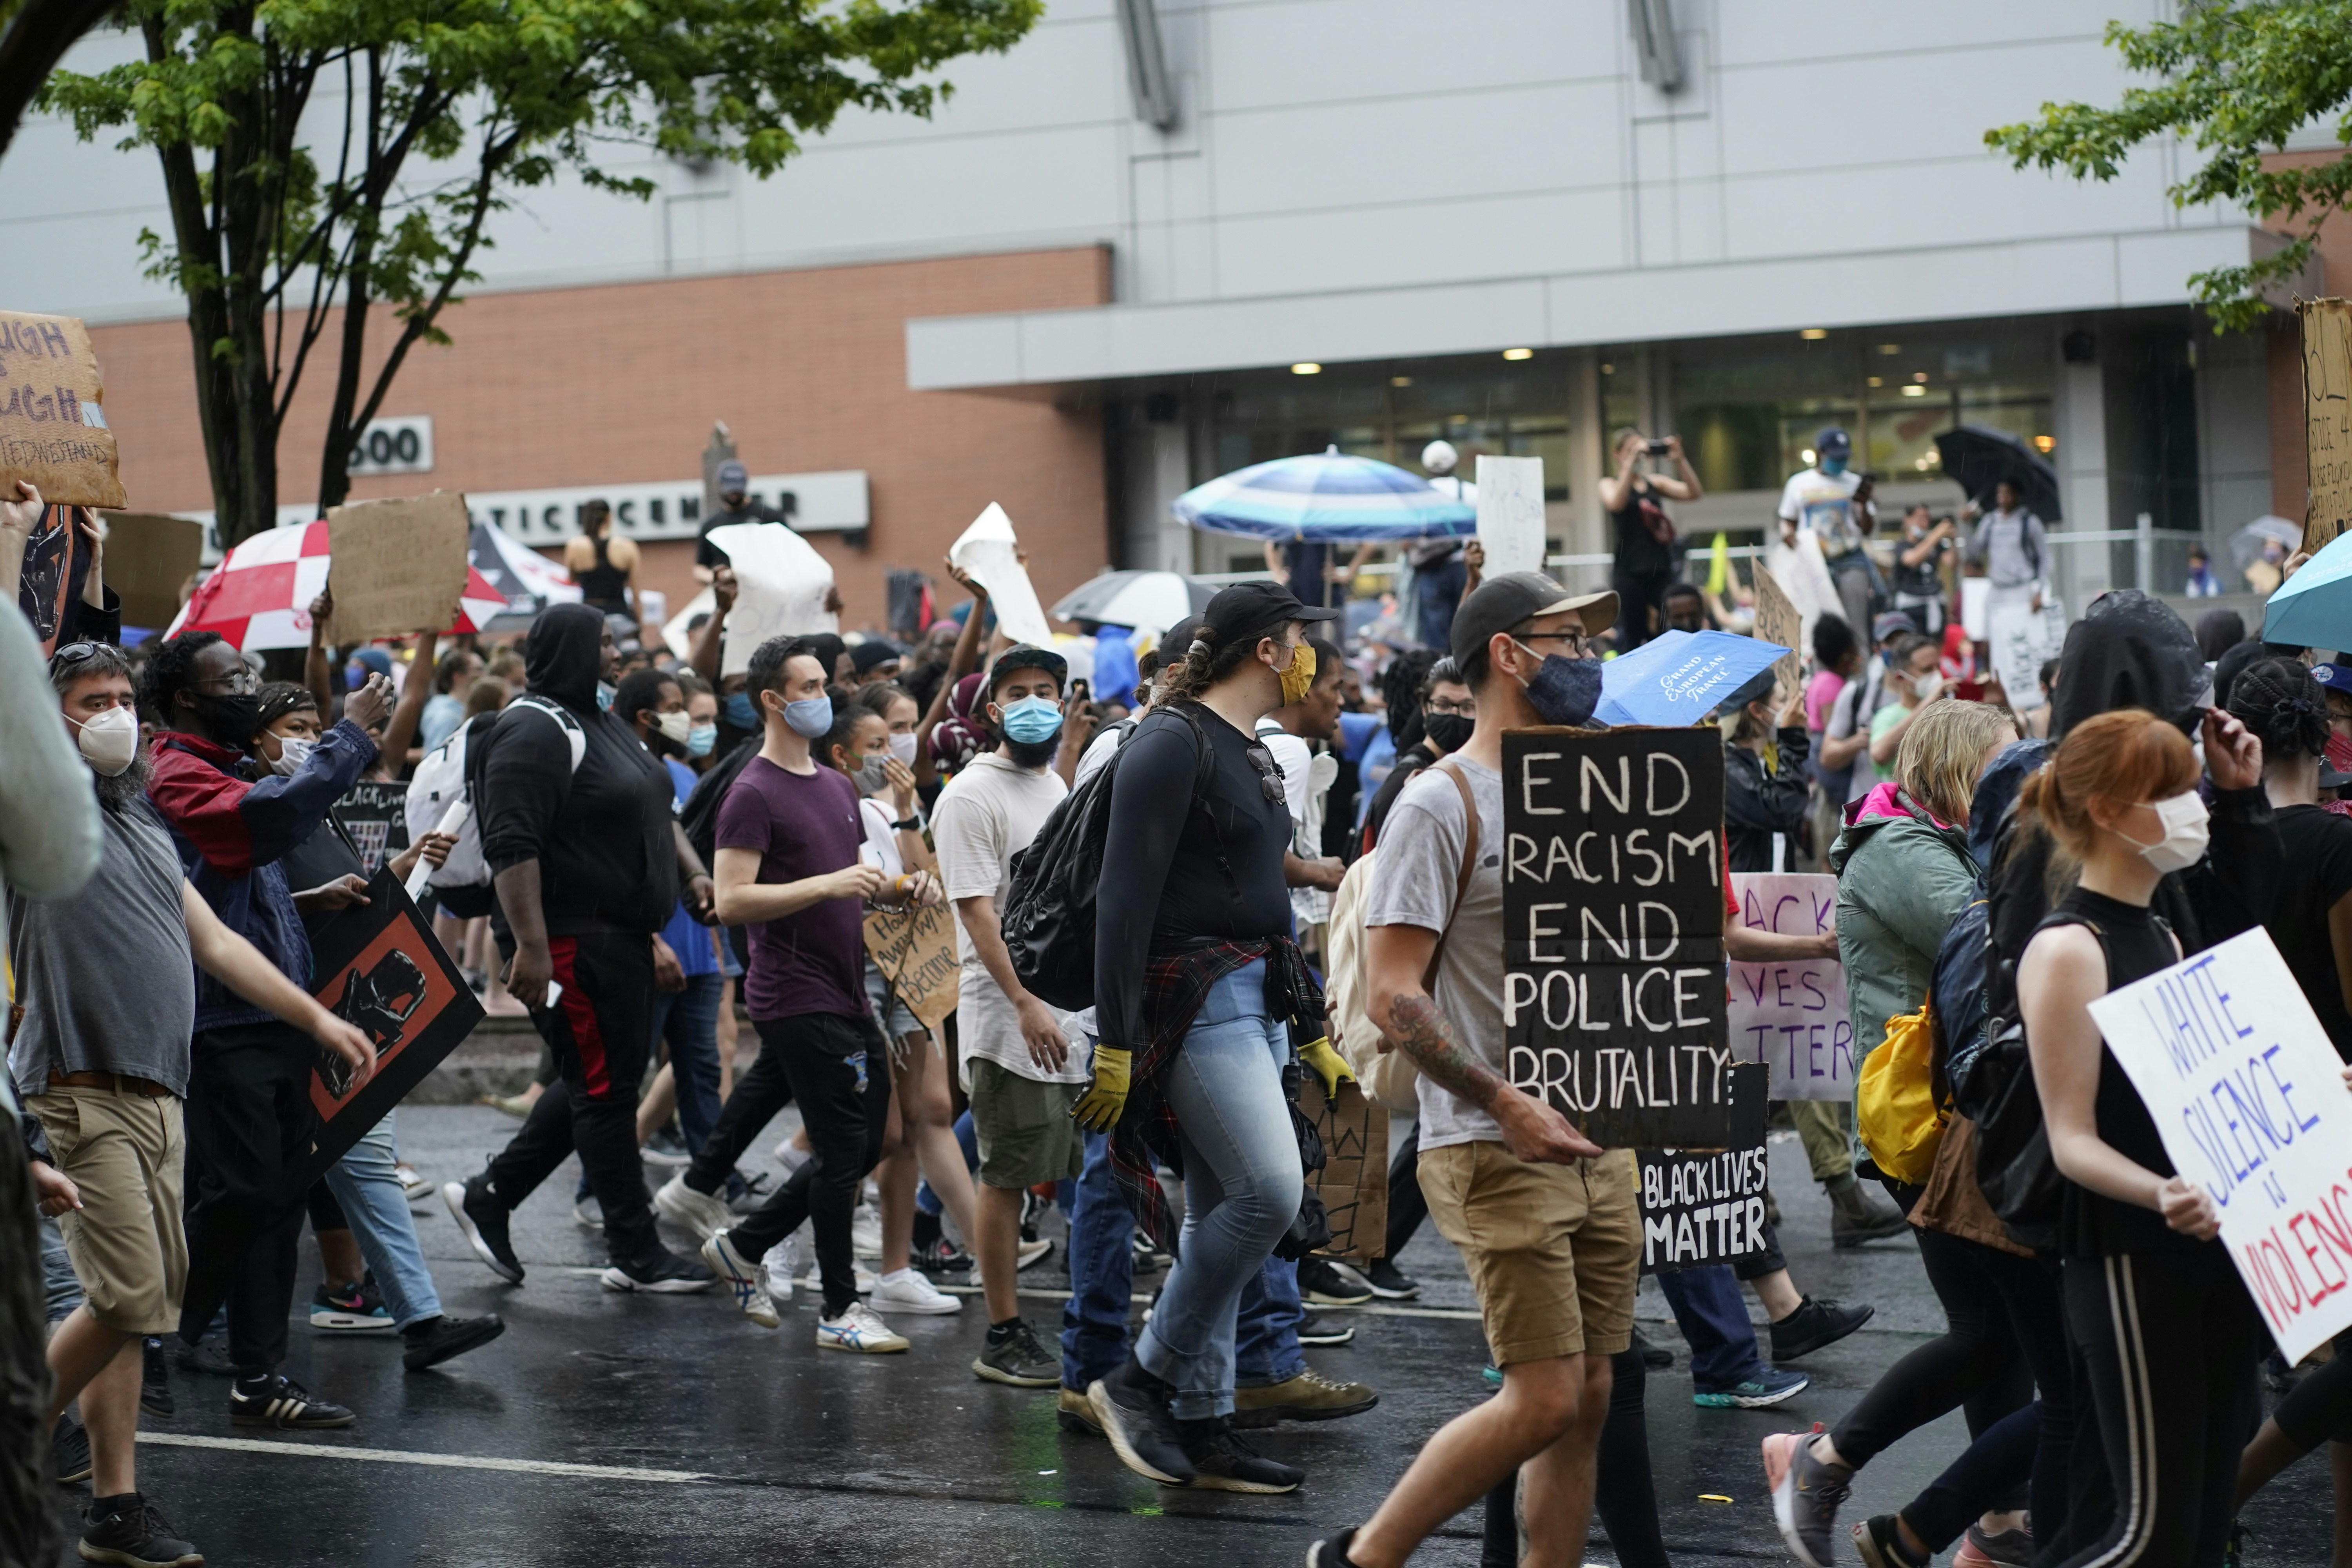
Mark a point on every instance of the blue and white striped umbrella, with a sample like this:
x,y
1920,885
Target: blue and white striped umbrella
x,y
1326,497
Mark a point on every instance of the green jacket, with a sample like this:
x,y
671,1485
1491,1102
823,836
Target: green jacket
x,y
1902,882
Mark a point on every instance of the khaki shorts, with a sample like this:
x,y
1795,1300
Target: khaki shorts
x,y
1023,1126
1554,1251
128,1246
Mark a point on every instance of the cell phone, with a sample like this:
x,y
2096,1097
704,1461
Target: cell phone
x,y
1079,690
1657,448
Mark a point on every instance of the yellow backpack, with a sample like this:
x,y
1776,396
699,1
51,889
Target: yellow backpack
x,y
1900,1122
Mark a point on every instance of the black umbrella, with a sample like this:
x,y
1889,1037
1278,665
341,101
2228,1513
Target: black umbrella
x,y
1977,459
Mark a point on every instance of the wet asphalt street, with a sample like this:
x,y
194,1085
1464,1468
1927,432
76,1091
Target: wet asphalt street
x,y
616,1430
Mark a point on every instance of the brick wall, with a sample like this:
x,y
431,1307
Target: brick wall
x,y
584,386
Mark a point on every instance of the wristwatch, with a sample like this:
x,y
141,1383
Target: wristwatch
x,y
911,825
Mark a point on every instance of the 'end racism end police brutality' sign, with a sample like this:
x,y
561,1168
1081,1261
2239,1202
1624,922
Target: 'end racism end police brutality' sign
x,y
1612,931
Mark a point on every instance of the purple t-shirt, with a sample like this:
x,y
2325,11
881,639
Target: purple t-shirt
x,y
803,825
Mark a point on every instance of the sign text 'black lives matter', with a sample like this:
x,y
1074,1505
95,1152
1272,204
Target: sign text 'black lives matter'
x,y
1612,931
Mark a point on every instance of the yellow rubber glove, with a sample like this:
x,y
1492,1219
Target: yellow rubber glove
x,y
1328,1065
1099,1109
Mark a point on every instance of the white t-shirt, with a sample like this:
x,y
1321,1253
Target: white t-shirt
x,y
986,814
1824,503
1310,906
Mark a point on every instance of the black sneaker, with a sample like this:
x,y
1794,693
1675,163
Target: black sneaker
x,y
1224,1463
277,1400
941,1257
1656,1357
663,1274
206,1357
357,1309
1132,1407
1014,1355
1314,1331
435,1340
1390,1283
484,1220
1814,1324
131,1530
1881,1545
1328,1284
155,1381
70,1444
1331,1551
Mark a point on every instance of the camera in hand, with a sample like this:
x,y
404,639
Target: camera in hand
x,y
1657,448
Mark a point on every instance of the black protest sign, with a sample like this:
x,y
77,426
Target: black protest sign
x,y
376,813
1706,1205
377,966
1612,931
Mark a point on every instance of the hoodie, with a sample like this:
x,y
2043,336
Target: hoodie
x,y
602,833
1903,879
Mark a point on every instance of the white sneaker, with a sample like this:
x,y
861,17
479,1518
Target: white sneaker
x,y
857,1329
866,1232
590,1213
706,1216
1035,1251
907,1291
412,1184
792,1156
749,1281
784,1262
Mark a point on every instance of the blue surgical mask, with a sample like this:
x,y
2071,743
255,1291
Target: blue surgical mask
x,y
741,711
604,698
811,718
1833,466
1032,720
701,740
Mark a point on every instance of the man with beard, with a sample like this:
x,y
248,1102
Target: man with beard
x,y
586,857
250,1117
1018,1067
105,1065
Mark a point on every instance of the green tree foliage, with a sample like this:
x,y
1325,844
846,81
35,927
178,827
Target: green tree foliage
x,y
2236,81
319,154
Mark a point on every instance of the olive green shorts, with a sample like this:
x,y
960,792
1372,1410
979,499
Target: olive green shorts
x,y
1023,1126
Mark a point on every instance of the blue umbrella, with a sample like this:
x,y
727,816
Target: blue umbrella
x,y
1678,678
1326,497
2314,607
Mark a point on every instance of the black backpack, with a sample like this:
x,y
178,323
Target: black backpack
x,y
1048,913
699,814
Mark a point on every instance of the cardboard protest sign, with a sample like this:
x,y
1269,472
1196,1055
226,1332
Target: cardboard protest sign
x,y
2326,417
2246,1092
147,557
1676,678
987,550
377,966
1612,931
1511,514
1354,1181
783,586
1777,621
2023,639
1706,1205
52,429
915,953
396,566
375,815
1792,1016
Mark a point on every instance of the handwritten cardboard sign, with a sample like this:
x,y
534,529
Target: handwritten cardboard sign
x,y
1612,931
2247,1094
1792,1016
1354,1181
52,427
149,557
1777,621
915,953
396,566
988,551
2326,417
1511,513
781,588
2023,639
1706,1205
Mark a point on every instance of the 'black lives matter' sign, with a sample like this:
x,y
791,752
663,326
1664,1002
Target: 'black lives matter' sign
x,y
1612,931
1706,1205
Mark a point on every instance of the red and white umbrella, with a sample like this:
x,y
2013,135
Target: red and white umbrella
x,y
259,596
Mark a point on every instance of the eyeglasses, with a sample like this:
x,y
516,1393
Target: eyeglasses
x,y
1467,707
1578,643
239,684
1269,772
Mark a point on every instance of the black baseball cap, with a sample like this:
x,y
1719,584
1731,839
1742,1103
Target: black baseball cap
x,y
1516,597
1028,656
871,652
1248,611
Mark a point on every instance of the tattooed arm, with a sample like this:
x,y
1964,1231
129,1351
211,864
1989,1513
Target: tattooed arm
x,y
1395,958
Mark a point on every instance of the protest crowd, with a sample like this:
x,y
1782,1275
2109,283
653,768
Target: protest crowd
x,y
1111,924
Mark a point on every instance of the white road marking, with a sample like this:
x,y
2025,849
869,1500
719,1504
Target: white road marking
x,y
446,1461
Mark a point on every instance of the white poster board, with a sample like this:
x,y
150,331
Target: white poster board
x,y
1976,592
1804,577
2022,639
782,587
1511,514
1792,1015
2248,1096
988,551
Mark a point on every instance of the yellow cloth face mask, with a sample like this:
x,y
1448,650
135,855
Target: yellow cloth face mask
x,y
1300,677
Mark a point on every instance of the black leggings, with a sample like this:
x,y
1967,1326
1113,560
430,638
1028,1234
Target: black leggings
x,y
1623,1492
1638,593
1976,1362
2318,1408
2170,1344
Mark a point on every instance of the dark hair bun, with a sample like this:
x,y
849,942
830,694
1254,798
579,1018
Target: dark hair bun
x,y
2284,706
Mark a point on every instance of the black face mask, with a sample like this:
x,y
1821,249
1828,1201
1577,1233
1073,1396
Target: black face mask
x,y
231,719
1448,732
1565,690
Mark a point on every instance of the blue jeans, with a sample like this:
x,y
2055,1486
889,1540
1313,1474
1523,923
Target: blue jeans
x,y
368,1190
1266,1328
688,1019
1440,591
1102,1272
1242,1187
1713,1317
59,1285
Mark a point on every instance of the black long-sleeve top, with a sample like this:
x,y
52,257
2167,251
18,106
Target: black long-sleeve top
x,y
1163,887
1757,804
